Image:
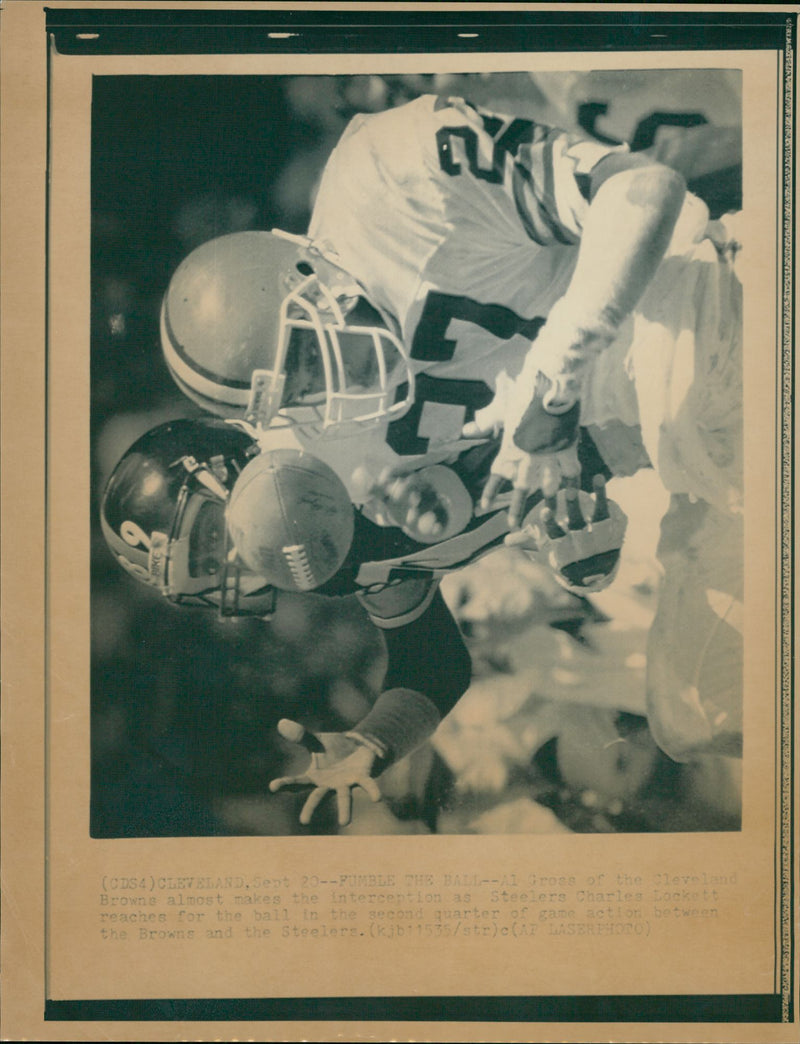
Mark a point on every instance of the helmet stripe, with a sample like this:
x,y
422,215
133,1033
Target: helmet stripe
x,y
182,365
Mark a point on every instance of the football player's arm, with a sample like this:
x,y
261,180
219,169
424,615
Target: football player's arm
x,y
633,209
428,670
634,204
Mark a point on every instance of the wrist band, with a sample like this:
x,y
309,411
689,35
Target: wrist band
x,y
399,721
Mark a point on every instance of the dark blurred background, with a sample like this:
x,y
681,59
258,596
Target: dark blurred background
x,y
184,705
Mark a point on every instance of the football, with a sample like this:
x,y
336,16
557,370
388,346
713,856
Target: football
x,y
290,519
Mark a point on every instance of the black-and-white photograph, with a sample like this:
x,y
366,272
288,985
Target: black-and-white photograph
x,y
416,434
398,525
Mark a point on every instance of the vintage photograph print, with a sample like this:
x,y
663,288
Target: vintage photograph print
x,y
416,418
330,590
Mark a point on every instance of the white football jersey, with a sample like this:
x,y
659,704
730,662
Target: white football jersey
x,y
462,226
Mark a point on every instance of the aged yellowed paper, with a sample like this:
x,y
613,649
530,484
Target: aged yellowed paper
x,y
153,888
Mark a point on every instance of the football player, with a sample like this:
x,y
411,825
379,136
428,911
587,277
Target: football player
x,y
455,258
467,273
202,512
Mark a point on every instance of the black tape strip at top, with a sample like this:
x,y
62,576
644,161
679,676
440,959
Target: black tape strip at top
x,y
185,31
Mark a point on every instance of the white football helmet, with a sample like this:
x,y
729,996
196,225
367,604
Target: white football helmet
x,y
261,326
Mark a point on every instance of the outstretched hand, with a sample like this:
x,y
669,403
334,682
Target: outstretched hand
x,y
337,764
526,472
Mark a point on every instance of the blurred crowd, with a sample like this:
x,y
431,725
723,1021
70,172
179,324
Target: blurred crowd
x,y
552,734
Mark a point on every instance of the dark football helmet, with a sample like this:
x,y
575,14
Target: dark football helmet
x,y
163,516
261,325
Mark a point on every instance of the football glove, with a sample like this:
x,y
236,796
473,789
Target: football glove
x,y
578,537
